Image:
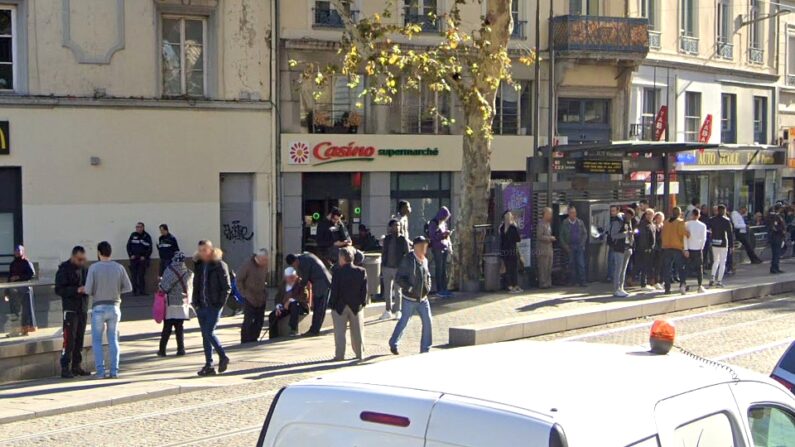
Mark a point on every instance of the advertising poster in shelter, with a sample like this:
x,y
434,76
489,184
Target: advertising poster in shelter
x,y
518,198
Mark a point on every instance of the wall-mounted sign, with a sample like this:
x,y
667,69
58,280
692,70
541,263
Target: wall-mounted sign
x,y
728,157
301,153
5,138
601,166
661,123
706,130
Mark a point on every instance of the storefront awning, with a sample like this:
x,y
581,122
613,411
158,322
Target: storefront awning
x,y
631,147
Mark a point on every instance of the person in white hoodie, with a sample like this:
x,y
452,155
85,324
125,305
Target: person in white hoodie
x,y
694,246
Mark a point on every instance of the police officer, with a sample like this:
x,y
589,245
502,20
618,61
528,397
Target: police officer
x,y
139,249
166,247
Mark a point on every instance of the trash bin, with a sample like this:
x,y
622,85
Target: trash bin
x,y
372,263
491,272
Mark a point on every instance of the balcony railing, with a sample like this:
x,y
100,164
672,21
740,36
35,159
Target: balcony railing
x,y
330,18
791,80
724,50
590,36
518,29
688,44
756,55
655,39
428,24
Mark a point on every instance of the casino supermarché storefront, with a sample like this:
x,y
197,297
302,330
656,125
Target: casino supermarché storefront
x,y
366,175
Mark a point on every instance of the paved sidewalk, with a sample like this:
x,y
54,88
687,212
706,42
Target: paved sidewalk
x,y
144,375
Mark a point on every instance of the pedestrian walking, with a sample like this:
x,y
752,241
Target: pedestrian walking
x,y
741,234
70,281
292,300
211,288
167,246
673,238
21,298
414,278
395,247
644,251
705,215
659,221
176,283
509,237
402,217
573,240
544,240
442,248
620,240
106,281
777,231
139,250
722,240
347,301
313,272
252,282
694,244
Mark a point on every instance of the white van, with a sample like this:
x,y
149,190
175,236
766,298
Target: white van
x,y
535,394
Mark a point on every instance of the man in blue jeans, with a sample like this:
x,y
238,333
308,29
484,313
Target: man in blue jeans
x,y
439,232
106,281
211,288
414,279
573,239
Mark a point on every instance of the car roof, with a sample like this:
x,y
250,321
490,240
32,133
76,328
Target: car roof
x,y
588,388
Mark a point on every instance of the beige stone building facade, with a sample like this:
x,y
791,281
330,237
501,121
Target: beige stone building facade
x,y
119,111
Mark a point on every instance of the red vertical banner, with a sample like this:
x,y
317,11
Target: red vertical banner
x,y
661,123
706,130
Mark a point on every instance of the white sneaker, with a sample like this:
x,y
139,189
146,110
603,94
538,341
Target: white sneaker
x,y
514,290
620,293
397,315
658,286
518,289
649,288
701,289
386,316
683,290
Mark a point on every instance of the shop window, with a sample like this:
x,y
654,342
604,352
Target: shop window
x,y
512,114
427,192
423,110
183,58
728,118
335,108
760,120
8,41
692,116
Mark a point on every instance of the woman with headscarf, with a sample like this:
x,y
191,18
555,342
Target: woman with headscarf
x,y
21,299
176,283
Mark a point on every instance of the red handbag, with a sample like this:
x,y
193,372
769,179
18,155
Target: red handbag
x,y
159,306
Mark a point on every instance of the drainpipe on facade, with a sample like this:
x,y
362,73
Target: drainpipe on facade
x,y
276,120
551,116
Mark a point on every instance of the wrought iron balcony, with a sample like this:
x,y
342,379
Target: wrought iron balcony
x,y
601,37
330,18
655,39
518,29
428,24
688,44
724,50
756,56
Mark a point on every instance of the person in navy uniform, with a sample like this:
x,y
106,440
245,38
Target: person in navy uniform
x,y
166,247
139,249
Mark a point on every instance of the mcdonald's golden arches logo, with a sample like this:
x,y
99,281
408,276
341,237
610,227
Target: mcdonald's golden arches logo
x,y
5,138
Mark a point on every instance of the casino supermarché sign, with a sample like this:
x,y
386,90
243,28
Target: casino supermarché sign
x,y
324,152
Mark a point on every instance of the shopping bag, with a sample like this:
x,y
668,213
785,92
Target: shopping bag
x,y
159,306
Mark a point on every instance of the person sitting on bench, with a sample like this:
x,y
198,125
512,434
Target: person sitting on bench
x,y
292,300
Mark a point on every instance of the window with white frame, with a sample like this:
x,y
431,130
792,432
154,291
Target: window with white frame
x,y
754,33
423,110
183,58
648,112
584,7
518,23
335,109
692,116
791,57
8,51
423,13
723,22
688,17
512,114
648,9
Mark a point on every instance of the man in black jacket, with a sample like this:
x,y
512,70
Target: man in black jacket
x,y
332,235
395,248
166,247
312,270
69,285
139,249
211,287
777,231
722,241
414,279
348,298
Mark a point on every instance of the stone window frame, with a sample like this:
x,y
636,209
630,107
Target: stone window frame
x,y
211,51
20,44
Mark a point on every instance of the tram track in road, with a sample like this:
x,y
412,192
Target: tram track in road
x,y
225,435
138,417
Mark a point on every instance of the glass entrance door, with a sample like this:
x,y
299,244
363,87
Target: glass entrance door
x,y
10,214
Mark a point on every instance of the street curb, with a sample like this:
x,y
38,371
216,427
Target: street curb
x,y
601,314
170,391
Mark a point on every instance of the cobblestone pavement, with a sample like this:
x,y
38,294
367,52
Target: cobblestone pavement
x,y
749,334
